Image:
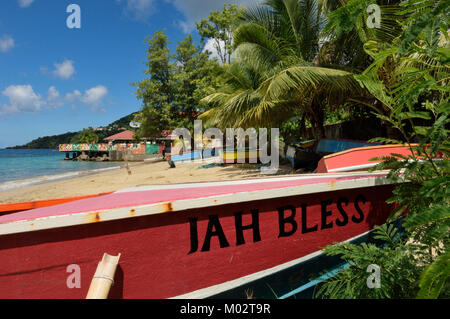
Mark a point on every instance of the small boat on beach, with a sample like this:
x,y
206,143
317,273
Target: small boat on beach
x,y
198,240
195,155
186,157
244,155
357,159
302,154
308,153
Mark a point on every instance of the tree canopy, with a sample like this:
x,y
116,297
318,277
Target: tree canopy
x,y
174,85
275,74
219,27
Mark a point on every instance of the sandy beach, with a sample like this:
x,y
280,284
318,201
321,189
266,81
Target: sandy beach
x,y
139,174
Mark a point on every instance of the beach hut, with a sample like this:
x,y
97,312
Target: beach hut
x,y
125,143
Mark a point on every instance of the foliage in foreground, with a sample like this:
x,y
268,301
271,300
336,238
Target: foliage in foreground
x,y
415,263
398,269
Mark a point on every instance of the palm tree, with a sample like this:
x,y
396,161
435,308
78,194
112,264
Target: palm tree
x,y
274,74
389,71
238,96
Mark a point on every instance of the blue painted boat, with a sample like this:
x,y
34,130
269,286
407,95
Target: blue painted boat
x,y
329,146
197,155
207,153
186,157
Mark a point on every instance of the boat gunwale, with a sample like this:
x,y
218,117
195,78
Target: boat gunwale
x,y
28,205
95,216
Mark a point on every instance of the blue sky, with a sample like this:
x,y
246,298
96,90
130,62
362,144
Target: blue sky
x,y
54,79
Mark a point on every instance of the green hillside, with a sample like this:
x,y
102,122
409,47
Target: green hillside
x,y
52,142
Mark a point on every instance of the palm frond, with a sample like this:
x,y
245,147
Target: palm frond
x,y
303,80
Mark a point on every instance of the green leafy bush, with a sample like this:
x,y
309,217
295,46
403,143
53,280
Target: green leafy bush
x,y
410,76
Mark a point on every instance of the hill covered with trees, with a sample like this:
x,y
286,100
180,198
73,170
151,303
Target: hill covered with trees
x,y
97,134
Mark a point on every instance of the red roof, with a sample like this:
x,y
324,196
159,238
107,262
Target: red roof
x,y
122,136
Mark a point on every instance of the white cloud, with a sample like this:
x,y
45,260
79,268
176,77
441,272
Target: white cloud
x,y
22,98
25,3
210,46
53,93
72,97
93,98
139,10
195,10
53,100
64,70
6,43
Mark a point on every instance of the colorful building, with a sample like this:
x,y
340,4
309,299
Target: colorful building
x,y
119,147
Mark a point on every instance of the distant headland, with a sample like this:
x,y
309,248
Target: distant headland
x,y
52,142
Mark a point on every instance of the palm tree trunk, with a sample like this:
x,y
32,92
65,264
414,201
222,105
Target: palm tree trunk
x,y
318,117
320,131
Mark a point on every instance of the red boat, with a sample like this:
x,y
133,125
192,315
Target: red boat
x,y
189,240
10,208
357,159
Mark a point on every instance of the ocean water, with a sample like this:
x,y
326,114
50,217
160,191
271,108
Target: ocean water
x,y
19,168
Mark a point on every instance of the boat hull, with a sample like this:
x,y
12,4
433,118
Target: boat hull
x,y
194,156
309,154
358,159
302,158
239,156
186,247
329,146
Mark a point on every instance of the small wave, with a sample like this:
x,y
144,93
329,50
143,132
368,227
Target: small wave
x,y
105,169
9,185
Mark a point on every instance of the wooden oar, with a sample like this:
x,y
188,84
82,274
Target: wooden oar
x,y
103,278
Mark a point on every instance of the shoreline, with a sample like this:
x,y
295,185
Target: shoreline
x,y
138,174
14,184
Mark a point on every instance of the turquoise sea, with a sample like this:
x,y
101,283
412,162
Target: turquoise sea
x,y
19,168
